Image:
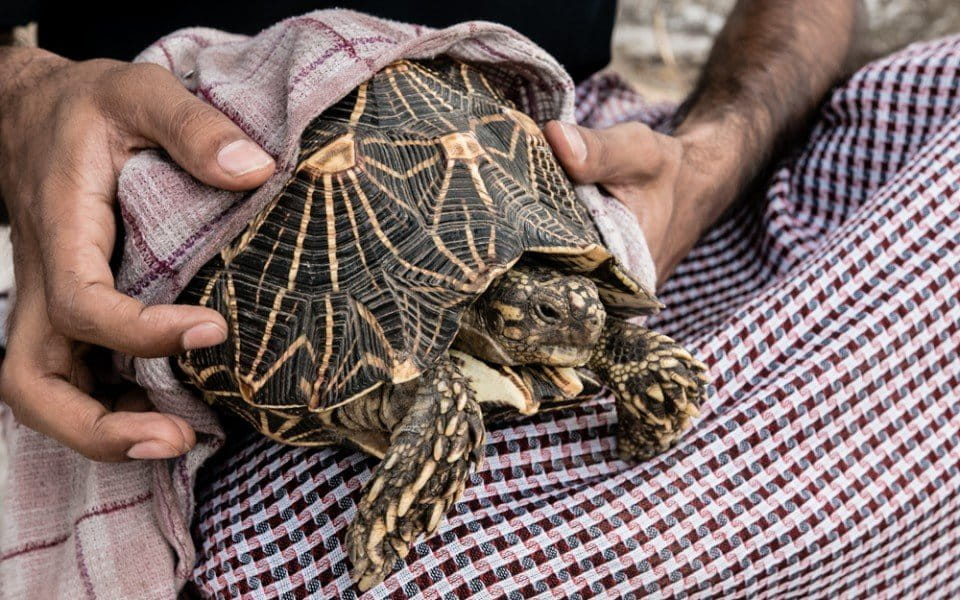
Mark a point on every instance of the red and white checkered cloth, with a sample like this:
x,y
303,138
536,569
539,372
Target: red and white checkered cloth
x,y
826,461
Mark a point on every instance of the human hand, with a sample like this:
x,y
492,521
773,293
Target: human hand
x,y
66,129
676,186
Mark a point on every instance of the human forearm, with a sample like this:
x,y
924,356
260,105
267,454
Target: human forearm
x,y
769,68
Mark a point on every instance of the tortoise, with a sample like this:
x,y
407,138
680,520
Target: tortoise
x,y
426,265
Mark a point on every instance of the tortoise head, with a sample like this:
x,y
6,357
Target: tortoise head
x,y
534,315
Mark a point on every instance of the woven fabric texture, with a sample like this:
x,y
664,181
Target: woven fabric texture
x,y
825,464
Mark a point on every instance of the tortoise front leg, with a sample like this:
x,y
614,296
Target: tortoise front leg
x,y
659,386
432,450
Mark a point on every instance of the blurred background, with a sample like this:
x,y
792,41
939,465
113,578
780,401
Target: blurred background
x,y
659,45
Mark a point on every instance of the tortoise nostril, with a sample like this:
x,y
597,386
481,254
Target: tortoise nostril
x,y
547,313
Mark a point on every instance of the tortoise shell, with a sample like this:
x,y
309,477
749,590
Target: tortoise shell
x,y
410,196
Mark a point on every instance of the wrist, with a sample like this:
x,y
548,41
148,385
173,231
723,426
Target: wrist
x,y
20,71
20,66
721,157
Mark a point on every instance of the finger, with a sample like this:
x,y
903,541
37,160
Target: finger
x,y
97,313
613,155
83,303
85,306
33,383
135,399
197,136
57,409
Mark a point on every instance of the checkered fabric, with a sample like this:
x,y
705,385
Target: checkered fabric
x,y
825,463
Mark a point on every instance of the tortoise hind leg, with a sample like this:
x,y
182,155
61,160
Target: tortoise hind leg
x,y
659,386
432,450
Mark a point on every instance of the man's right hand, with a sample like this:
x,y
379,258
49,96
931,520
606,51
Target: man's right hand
x,y
66,129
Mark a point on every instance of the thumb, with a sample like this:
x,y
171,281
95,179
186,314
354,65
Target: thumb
x,y
199,137
617,154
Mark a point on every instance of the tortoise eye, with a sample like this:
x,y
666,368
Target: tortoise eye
x,y
547,313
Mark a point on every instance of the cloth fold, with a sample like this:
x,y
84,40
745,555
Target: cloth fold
x,y
123,530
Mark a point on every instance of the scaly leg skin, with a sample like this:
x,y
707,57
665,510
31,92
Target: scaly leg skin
x,y
432,451
659,386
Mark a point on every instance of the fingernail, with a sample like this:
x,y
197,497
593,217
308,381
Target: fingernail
x,y
202,336
152,449
574,140
242,157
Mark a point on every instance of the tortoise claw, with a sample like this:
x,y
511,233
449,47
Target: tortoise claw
x,y
423,473
659,387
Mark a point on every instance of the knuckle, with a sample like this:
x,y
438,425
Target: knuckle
x,y
75,102
89,80
131,313
667,153
124,90
59,306
195,124
673,152
141,71
65,310
120,78
91,429
18,389
103,66
95,450
11,386
152,320
75,113
602,158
